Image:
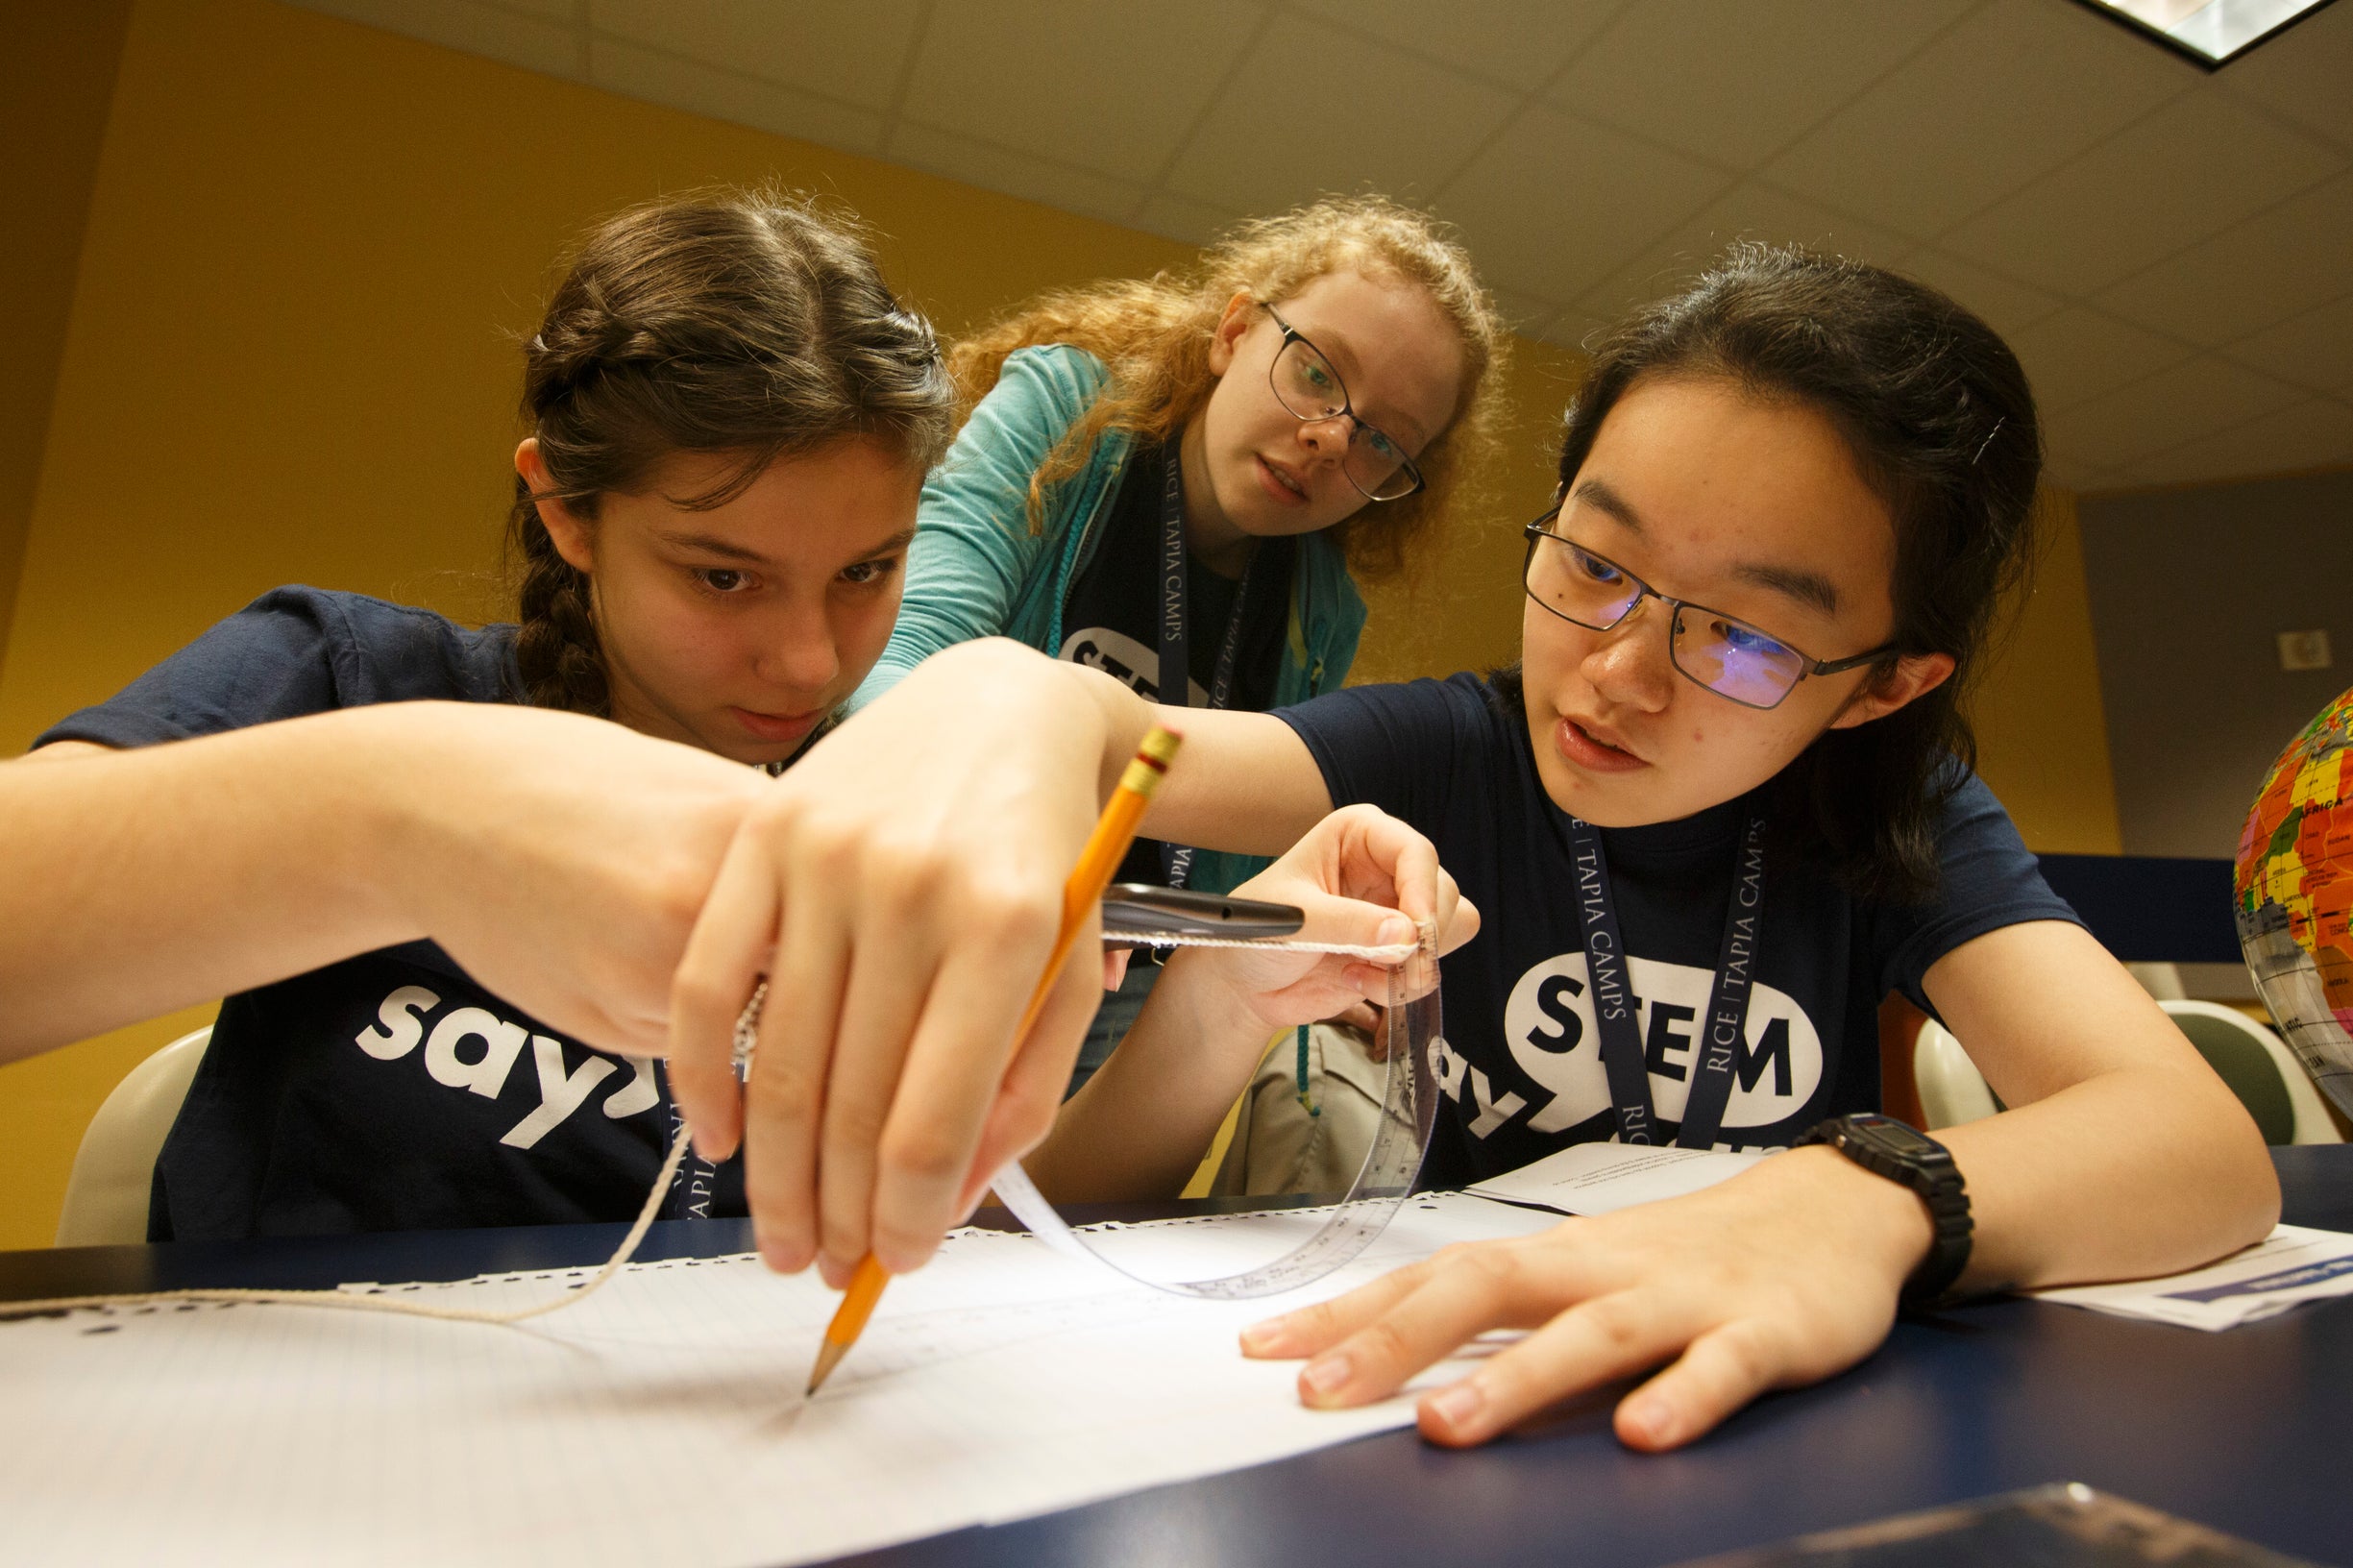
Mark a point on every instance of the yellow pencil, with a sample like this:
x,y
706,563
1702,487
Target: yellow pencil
x,y
1098,863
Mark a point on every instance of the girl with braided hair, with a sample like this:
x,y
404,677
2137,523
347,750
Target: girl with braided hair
x,y
730,422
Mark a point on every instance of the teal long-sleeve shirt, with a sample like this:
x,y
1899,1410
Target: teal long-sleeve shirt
x,y
977,569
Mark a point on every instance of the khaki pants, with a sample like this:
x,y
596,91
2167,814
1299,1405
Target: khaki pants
x,y
1282,1145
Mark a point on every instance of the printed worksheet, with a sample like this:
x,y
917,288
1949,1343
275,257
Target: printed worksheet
x,y
661,1420
2293,1265
1603,1178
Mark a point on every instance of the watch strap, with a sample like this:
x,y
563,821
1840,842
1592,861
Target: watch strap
x,y
1932,1176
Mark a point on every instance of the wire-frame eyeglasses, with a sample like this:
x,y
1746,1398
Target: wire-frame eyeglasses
x,y
1731,658
1311,391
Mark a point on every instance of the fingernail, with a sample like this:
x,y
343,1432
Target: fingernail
x,y
1458,1404
1394,930
1325,1373
1265,1338
1646,1420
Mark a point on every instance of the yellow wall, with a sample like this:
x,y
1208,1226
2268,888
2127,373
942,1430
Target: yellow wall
x,y
55,76
290,359
2041,731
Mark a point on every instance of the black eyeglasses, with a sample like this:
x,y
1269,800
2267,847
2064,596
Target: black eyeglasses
x,y
1311,391
1731,658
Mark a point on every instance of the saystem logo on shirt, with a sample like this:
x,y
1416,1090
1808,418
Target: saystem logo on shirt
x,y
474,1049
1549,1028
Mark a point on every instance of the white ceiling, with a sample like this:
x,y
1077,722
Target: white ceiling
x,y
2171,253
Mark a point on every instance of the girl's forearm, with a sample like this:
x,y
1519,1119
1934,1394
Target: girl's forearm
x,y
2132,1173
142,881
1141,1126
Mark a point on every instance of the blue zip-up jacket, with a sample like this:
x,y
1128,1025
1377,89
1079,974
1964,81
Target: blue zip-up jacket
x,y
977,570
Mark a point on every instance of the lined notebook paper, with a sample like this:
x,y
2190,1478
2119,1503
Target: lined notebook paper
x,y
661,1421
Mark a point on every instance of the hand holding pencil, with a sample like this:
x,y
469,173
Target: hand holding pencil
x,y
1097,864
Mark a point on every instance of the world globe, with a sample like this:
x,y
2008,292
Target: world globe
x,y
2294,894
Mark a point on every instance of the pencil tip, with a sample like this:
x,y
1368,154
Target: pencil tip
x,y
828,1357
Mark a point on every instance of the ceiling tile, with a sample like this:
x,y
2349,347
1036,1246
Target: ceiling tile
x,y
2187,402
533,42
2006,304
1181,218
1110,86
1736,79
1519,43
2201,162
2077,354
1015,174
2274,264
2303,74
1555,204
841,52
1403,125
1747,212
2314,350
2016,89
2316,433
637,72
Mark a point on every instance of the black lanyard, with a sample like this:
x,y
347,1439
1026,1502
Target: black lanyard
x,y
1176,639
1719,1048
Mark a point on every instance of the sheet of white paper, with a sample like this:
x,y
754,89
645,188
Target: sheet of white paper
x,y
2292,1264
660,1421
1601,1178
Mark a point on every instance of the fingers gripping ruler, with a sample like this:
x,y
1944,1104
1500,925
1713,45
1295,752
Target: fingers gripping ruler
x,y
1413,1031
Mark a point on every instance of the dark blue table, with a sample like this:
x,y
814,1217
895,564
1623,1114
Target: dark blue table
x,y
2251,1430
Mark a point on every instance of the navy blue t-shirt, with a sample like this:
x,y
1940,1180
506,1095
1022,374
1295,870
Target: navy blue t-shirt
x,y
1114,616
389,1091
1522,1072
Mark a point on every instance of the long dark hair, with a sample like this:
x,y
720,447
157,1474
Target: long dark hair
x,y
751,323
1940,424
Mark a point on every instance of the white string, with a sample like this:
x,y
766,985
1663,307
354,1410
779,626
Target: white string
x,y
354,1301
747,1032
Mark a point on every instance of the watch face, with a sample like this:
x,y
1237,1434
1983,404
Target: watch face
x,y
1901,1139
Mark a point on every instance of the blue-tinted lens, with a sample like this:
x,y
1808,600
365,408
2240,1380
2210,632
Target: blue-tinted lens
x,y
1580,585
1734,658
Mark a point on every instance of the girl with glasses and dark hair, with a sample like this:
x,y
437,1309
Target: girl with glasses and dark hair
x,y
729,420
1720,809
1180,481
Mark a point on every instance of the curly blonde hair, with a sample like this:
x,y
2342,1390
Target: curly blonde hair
x,y
1154,334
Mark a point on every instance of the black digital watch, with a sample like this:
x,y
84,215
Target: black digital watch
x,y
1887,1147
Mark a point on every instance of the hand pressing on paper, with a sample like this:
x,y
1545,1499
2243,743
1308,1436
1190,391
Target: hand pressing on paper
x,y
1780,1276
1142,1123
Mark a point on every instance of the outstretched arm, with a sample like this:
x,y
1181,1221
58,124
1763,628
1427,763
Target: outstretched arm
x,y
560,859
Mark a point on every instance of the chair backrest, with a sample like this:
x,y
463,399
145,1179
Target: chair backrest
x,y
1951,1089
2244,1054
113,1175
2256,1064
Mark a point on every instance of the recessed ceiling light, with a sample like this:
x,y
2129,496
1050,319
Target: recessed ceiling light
x,y
2209,31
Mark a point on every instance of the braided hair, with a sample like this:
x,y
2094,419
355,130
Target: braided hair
x,y
749,324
